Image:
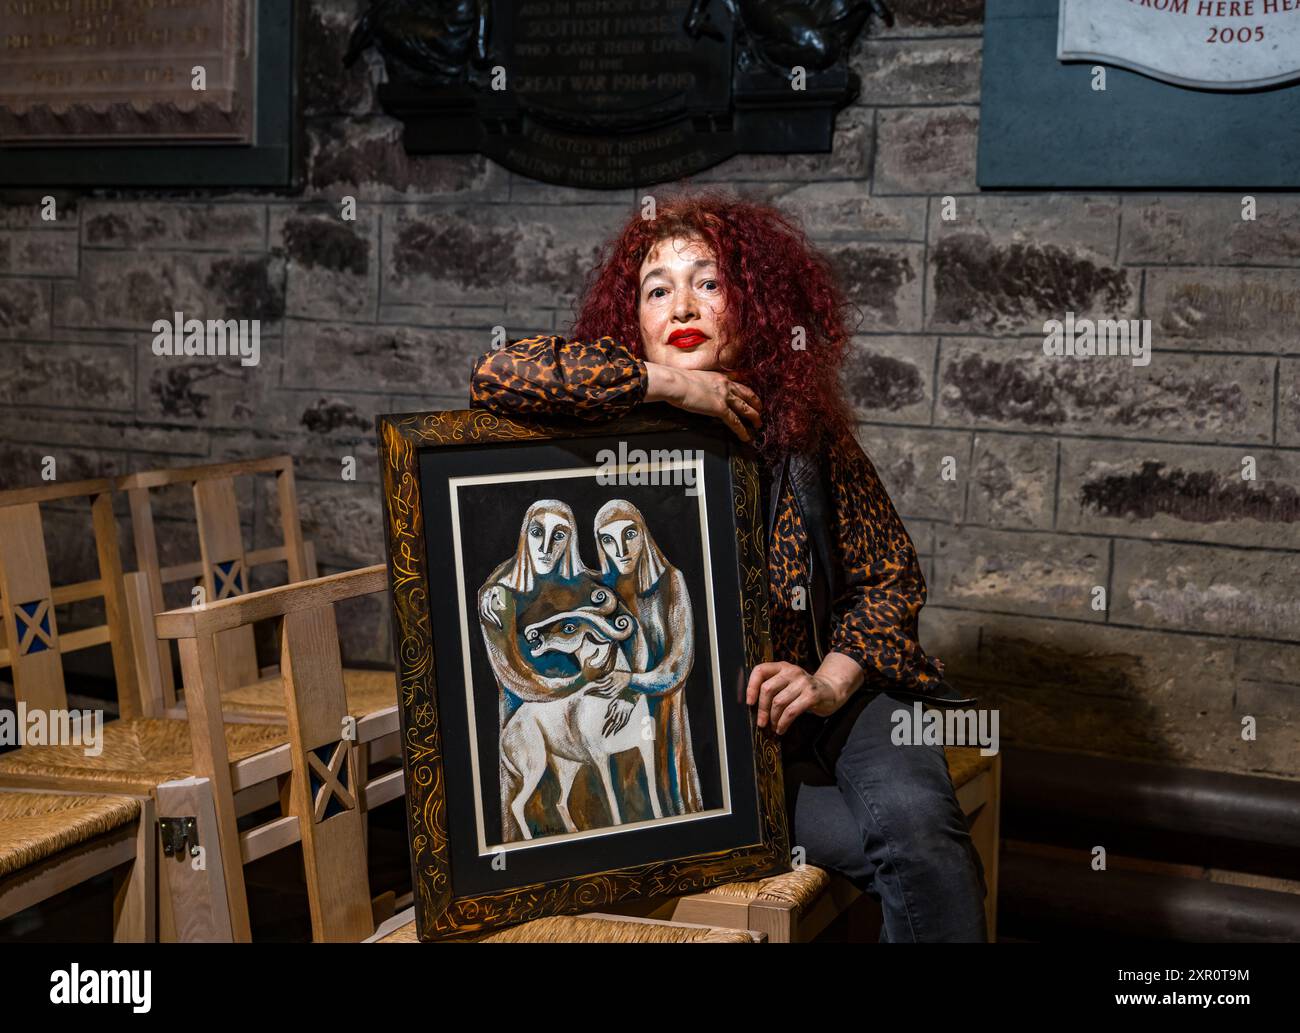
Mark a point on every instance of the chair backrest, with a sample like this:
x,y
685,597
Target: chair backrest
x,y
30,642
224,566
327,791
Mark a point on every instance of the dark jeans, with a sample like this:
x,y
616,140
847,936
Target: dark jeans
x,y
886,817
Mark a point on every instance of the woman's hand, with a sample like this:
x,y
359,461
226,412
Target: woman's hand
x,y
783,690
708,393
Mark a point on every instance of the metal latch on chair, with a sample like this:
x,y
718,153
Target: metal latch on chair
x,y
176,833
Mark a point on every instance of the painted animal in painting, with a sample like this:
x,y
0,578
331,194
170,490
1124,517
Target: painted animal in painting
x,y
570,732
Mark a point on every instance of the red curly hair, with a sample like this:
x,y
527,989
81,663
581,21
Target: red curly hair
x,y
774,280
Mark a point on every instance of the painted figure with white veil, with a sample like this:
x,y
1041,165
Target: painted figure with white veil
x,y
632,563
546,563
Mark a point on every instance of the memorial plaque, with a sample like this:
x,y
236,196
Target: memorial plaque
x,y
1211,44
150,93
123,71
1189,112
604,95
615,93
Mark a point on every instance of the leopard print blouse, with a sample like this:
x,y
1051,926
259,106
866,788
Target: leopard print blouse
x,y
874,621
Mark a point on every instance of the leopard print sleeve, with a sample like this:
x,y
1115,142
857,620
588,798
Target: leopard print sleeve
x,y
874,620
593,380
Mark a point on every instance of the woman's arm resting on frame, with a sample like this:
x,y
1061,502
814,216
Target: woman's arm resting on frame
x,y
592,380
601,379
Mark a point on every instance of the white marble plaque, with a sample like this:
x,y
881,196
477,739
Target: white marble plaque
x,y
1211,44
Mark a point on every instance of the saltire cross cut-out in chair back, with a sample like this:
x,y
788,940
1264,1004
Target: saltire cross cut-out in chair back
x,y
330,781
221,542
229,579
30,640
34,626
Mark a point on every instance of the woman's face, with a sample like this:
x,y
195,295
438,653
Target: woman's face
x,y
682,306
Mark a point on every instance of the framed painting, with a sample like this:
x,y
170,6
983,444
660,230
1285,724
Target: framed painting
x,y
576,609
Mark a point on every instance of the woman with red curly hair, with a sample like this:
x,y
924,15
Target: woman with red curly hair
x,y
722,306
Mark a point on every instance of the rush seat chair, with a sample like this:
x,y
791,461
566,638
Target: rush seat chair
x,y
325,799
224,569
81,803
591,928
324,795
53,842
137,752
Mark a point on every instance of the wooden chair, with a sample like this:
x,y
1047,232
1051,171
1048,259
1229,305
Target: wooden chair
x,y
323,796
797,905
324,799
30,643
590,928
224,569
138,752
978,783
52,842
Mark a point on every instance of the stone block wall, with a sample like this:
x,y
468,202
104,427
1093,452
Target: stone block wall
x,y
1070,475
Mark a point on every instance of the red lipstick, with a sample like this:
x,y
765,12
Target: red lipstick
x,y
687,338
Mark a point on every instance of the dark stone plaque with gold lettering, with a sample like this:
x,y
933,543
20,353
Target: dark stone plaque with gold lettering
x,y
614,93
133,93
